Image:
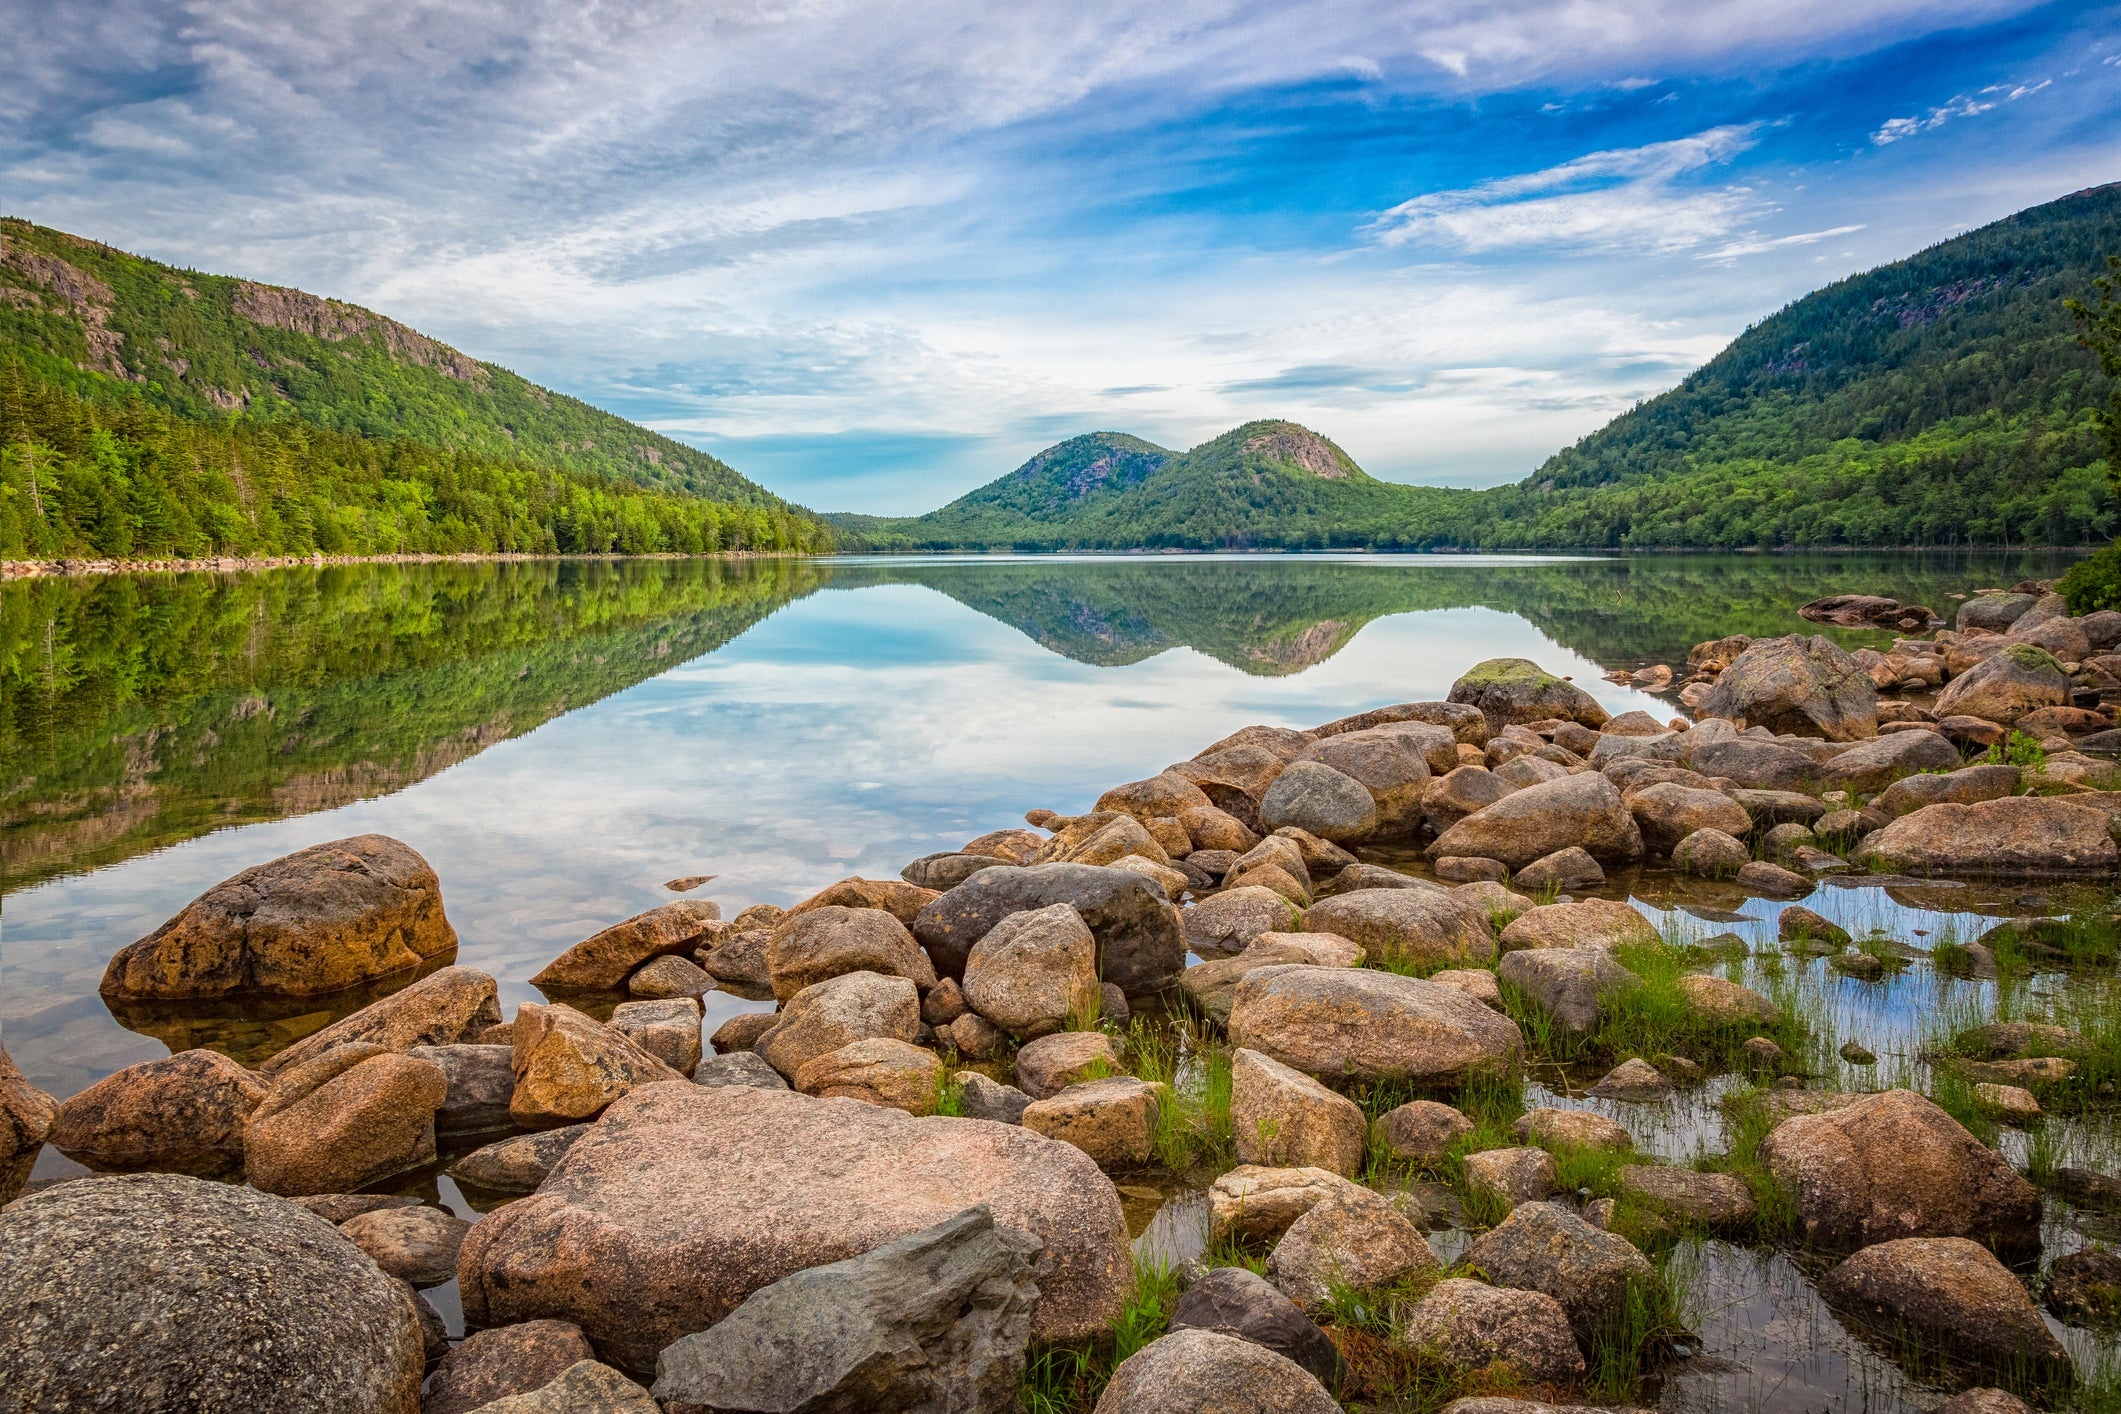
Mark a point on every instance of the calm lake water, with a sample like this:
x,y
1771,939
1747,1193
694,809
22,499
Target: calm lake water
x,y
560,738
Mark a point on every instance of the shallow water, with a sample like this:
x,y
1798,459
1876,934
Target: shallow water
x,y
559,739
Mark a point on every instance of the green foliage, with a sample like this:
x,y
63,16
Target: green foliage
x,y
1193,1116
2018,749
1067,1379
2093,582
2099,329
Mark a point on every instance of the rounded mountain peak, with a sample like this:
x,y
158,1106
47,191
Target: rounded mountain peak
x,y
1295,446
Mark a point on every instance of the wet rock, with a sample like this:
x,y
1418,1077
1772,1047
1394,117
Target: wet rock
x,y
1250,1202
1035,972
1800,924
1855,1054
2019,680
1561,871
494,1364
1710,854
1873,765
182,1114
569,1067
1470,871
417,1245
317,921
1206,1372
445,1008
1583,810
738,957
1423,927
1570,985
982,1097
1668,812
518,1164
605,960
1759,765
2084,1288
2008,1103
1315,797
1420,1131
1552,1128
738,1068
858,1006
1235,1302
586,1387
742,1031
2009,1040
1771,880
1469,1325
1051,1064
1545,1247
942,872
343,1121
1226,923
1509,691
156,1291
1762,1055
2023,835
1113,1120
879,1071
1947,1289
1356,1239
1593,923
1370,1025
1457,793
26,1117
1283,1118
1632,1079
935,1320
831,941
1714,1200
1800,685
1512,1175
668,1030
1140,944
1894,1165
682,1202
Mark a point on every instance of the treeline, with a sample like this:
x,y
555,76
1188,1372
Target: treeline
x,y
94,479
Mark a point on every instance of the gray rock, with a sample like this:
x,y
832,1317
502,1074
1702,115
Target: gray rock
x,y
1225,924
161,1292
1805,686
1871,766
738,1068
506,1360
1469,1325
1759,765
516,1165
1234,1301
1994,612
1950,1290
935,1322
481,1081
1584,810
1206,1372
583,1388
1569,984
983,1097
943,872
1140,945
1313,796
1545,1247
1392,763
1510,691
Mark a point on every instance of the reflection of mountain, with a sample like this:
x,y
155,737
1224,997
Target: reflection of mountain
x,y
142,711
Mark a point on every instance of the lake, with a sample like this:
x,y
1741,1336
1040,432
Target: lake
x,y
561,738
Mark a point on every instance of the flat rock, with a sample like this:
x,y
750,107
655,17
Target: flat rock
x,y
1418,927
417,1245
668,1029
158,1291
1140,944
493,1364
1283,1118
307,924
182,1114
1236,1302
738,1068
1112,1120
943,872
1591,923
444,1008
1370,1025
2023,836
1582,810
681,1202
1949,1290
1968,785
1469,1325
1753,764
1552,1128
1714,1200
518,1164
937,1319
604,960
1207,1372
1545,1247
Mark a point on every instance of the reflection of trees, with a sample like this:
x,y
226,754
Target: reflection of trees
x,y
143,710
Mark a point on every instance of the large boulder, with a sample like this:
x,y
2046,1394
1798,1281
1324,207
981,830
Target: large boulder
x,y
1994,612
1225,923
1969,785
491,1365
831,941
1368,1025
1283,1118
683,1201
1355,1240
349,1118
182,1114
1512,691
1571,985
1035,972
2010,684
1591,923
1413,927
317,921
604,960
1207,1372
1161,796
1584,810
1873,765
1236,1301
1314,796
569,1067
1393,764
1469,1325
2026,836
838,1012
1141,947
1755,764
26,1116
897,897
442,1009
161,1292
1950,1293
939,872
1544,1247
1802,686
1894,1165
937,1319
1668,812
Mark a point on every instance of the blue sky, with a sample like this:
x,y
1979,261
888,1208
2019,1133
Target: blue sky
x,y
877,255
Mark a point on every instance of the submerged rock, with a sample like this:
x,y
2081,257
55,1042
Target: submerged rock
x,y
1949,1290
26,1115
518,1164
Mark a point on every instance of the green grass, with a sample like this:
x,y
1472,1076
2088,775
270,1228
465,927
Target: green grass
x,y
1636,1338
1065,1379
1746,1123
1193,1128
2019,750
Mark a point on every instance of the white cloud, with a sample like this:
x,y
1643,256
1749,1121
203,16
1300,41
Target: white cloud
x,y
1897,129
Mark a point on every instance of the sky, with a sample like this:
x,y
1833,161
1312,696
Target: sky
x,y
876,255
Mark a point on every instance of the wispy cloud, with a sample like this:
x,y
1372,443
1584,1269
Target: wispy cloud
x,y
1962,106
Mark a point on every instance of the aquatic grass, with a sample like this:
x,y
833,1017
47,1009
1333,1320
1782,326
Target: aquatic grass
x,y
1193,1126
1637,1336
1067,1379
949,1096
1747,1120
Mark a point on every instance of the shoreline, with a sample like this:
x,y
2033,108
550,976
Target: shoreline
x,y
230,564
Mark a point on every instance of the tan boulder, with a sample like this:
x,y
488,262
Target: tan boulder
x,y
348,1118
1050,1064
682,1202
491,1365
1512,1175
1224,923
1370,1025
668,1029
604,960
2023,836
1206,1372
1421,927
586,1387
1161,795
669,977
1356,1240
1712,1200
1318,948
1283,1118
182,1114
1668,812
1584,810
1212,986
879,1071
1800,685
1016,846
1100,837
896,897
1035,972
1591,923
1952,1293
1468,1326
830,941
1112,1120
1210,827
1476,982
1457,793
1967,786
738,957
1250,1202
1552,1128
317,921
1512,691
569,1067
838,1012
1726,1003
1392,765
1422,1131
2011,683
26,1115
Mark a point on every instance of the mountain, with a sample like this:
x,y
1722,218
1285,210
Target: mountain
x,y
238,376
1940,400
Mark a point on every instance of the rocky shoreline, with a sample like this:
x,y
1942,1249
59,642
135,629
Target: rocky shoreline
x,y
229,564
901,1188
